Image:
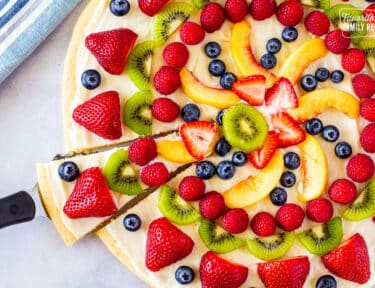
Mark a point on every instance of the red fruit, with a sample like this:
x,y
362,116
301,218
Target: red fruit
x,y
350,260
262,9
319,210
191,33
165,110
218,272
342,191
212,17
167,80
166,244
290,13
282,95
367,109
262,156
235,10
360,168
212,205
363,85
235,220
285,273
337,41
290,216
191,188
353,60
251,89
369,14
90,197
154,174
263,224
101,115
142,151
111,48
289,131
151,7
176,54
317,23
367,138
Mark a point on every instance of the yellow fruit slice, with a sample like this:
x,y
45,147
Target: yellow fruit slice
x,y
174,151
197,91
316,102
256,187
302,57
314,168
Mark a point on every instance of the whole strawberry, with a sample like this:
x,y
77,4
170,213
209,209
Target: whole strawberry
x,y
337,41
191,188
342,191
167,80
262,9
317,23
176,54
235,10
155,174
165,109
191,33
319,210
212,205
360,168
363,85
367,138
151,7
235,220
263,224
290,216
290,13
212,17
142,151
367,109
353,60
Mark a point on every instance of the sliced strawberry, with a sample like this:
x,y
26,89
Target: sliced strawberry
x,y
282,95
289,131
262,156
251,89
199,137
151,7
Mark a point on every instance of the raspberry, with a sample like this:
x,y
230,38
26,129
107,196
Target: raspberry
x,y
212,17
337,41
363,85
142,151
235,220
367,138
235,10
165,110
290,216
212,205
262,9
176,54
155,174
342,191
167,80
367,109
290,13
263,224
317,23
353,60
191,188
319,210
191,33
360,168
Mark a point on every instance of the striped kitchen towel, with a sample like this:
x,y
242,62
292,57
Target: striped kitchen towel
x,y
24,24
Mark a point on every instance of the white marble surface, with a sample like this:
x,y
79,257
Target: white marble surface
x,y
32,254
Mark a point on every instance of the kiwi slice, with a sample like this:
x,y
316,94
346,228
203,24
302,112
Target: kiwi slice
x,y
245,127
200,3
368,47
323,238
137,113
169,19
364,205
217,239
319,4
175,208
138,65
272,247
120,174
349,18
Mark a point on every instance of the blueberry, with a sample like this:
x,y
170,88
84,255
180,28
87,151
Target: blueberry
x,y
337,76
119,7
308,82
226,169
239,158
314,126
227,80
330,133
132,222
326,281
222,147
343,150
184,275
292,160
212,49
90,79
190,112
219,117
205,169
289,34
273,45
321,74
68,171
278,196
268,61
216,67
288,179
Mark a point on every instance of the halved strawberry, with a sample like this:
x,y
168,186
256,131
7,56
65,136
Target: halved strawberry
x,y
262,156
199,137
251,89
288,130
282,95
369,14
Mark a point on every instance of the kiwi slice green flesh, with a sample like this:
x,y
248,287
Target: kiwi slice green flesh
x,y
272,247
245,127
368,47
120,175
217,239
200,3
319,4
138,66
137,113
363,206
323,238
169,19
175,208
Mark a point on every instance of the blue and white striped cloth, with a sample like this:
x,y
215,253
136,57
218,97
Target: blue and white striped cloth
x,y
24,24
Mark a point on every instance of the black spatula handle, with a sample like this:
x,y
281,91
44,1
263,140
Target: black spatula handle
x,y
16,208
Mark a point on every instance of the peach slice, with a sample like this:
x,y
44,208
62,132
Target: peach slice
x,y
174,151
243,56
